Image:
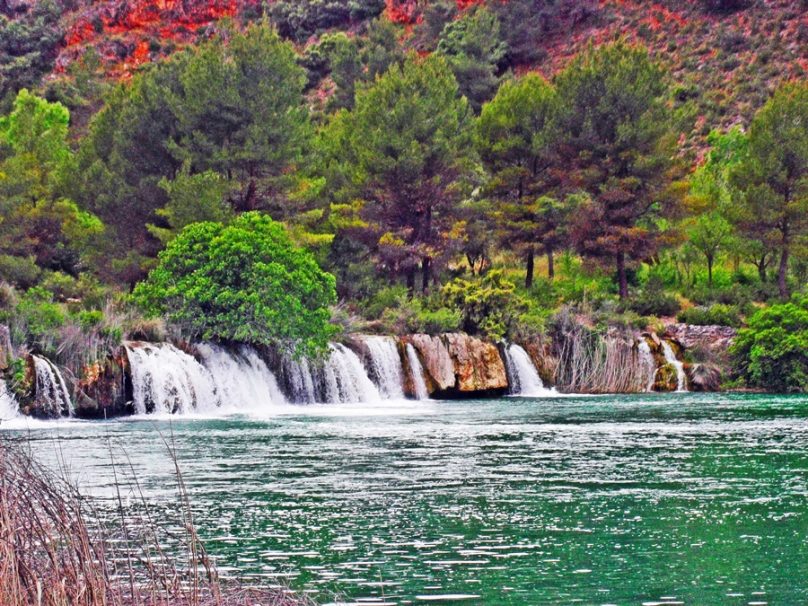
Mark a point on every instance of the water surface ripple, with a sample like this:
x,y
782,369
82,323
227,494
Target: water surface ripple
x,y
680,499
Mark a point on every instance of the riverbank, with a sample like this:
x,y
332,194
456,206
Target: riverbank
x,y
140,377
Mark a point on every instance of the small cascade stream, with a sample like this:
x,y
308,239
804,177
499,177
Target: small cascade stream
x,y
346,379
418,381
670,358
647,364
9,409
51,389
165,379
524,378
242,378
386,366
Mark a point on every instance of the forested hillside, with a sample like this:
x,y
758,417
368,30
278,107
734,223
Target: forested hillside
x,y
218,169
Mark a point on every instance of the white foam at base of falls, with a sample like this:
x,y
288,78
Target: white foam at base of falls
x,y
9,409
418,381
524,378
670,358
386,366
300,380
51,389
647,364
242,379
167,380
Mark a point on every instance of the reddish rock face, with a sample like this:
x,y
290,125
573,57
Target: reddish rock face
x,y
459,365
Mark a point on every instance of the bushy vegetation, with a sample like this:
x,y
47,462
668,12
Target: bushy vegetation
x,y
256,182
771,350
243,282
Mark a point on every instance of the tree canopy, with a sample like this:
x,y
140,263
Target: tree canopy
x,y
245,282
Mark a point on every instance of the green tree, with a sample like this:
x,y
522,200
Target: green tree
x,y
488,305
37,221
403,153
192,199
242,282
709,234
29,43
356,61
514,136
236,109
771,352
473,48
618,148
772,179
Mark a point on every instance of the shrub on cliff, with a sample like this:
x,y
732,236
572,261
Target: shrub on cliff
x,y
245,282
772,352
488,305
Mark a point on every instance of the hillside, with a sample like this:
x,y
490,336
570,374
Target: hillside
x,y
727,61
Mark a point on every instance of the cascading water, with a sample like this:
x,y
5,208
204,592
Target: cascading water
x,y
670,358
299,381
346,379
9,409
340,378
647,363
51,389
386,366
165,379
242,379
418,381
522,373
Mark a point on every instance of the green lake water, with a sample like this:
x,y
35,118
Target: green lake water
x,y
678,499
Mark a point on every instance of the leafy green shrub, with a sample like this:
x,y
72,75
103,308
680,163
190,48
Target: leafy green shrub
x,y
384,298
243,282
488,305
22,272
772,352
714,315
654,301
415,315
38,318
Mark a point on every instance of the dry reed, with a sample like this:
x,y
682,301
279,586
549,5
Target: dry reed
x,y
55,551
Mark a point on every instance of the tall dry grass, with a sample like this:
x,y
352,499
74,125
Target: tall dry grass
x,y
55,551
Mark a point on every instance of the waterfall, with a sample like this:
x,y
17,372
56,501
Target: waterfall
x,y
165,379
9,409
242,379
421,391
522,374
340,378
386,366
299,380
670,358
346,378
51,389
648,366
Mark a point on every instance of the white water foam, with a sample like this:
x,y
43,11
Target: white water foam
x,y
670,358
242,379
647,364
51,389
165,379
524,378
418,381
9,409
386,366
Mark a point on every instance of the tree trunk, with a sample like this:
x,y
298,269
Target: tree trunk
x,y
529,270
782,273
425,267
621,274
550,264
411,281
710,271
761,267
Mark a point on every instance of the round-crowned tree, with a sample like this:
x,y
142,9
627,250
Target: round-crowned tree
x,y
244,281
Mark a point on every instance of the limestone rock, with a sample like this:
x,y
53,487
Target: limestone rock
x,y
6,352
478,365
101,389
711,339
703,377
437,362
